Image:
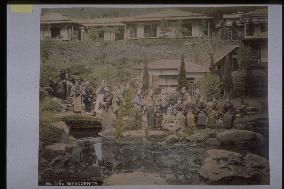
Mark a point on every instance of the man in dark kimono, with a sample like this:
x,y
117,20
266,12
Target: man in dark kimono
x,y
201,121
88,96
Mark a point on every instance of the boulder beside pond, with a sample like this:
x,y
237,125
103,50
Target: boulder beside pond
x,y
226,167
240,138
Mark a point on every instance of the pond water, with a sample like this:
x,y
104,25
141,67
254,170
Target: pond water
x,y
176,163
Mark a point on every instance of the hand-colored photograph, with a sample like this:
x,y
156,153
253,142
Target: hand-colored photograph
x,y
153,96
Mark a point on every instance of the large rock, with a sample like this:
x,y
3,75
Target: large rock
x,y
212,142
226,167
202,135
134,134
171,139
134,178
240,138
62,125
157,134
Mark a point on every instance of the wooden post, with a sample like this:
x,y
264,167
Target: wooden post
x,y
71,32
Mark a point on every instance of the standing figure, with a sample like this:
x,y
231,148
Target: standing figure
x,y
138,103
88,96
158,117
201,119
212,118
228,120
228,106
190,119
168,122
180,119
100,95
77,106
150,114
108,117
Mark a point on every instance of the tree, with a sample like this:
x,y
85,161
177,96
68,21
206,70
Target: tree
x,y
145,78
209,86
245,57
227,77
182,82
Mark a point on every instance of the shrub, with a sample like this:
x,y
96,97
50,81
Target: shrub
x,y
47,104
48,134
209,86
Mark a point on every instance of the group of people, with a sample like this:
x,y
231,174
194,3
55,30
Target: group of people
x,y
178,111
171,111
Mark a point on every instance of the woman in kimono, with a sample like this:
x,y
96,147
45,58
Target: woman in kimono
x,y
77,93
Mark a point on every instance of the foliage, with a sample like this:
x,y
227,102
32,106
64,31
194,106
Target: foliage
x,y
182,82
227,78
47,116
145,78
48,134
209,86
47,104
126,114
245,57
81,118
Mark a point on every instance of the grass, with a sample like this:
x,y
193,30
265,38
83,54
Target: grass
x,y
48,134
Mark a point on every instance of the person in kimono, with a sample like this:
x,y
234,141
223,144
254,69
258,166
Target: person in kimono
x,y
138,104
149,109
158,117
168,122
228,119
190,119
77,93
212,118
108,116
228,106
88,96
180,119
100,95
201,119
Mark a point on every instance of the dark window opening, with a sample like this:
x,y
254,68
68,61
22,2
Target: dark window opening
x,y
249,29
186,29
55,32
235,64
263,27
132,31
150,30
120,34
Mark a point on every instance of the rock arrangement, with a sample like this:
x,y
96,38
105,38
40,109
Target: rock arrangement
x,y
226,167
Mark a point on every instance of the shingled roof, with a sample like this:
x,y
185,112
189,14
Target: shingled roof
x,y
174,63
218,55
109,21
169,14
55,18
259,12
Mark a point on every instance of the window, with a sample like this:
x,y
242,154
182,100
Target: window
x,y
249,29
186,29
235,64
263,27
150,30
55,32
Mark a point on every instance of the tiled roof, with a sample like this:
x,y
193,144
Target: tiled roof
x,y
259,12
54,17
166,14
174,63
218,55
235,15
110,21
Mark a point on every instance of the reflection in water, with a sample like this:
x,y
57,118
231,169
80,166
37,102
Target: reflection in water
x,y
176,163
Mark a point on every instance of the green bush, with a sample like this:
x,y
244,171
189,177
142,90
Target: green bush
x,y
50,105
81,118
209,86
48,134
